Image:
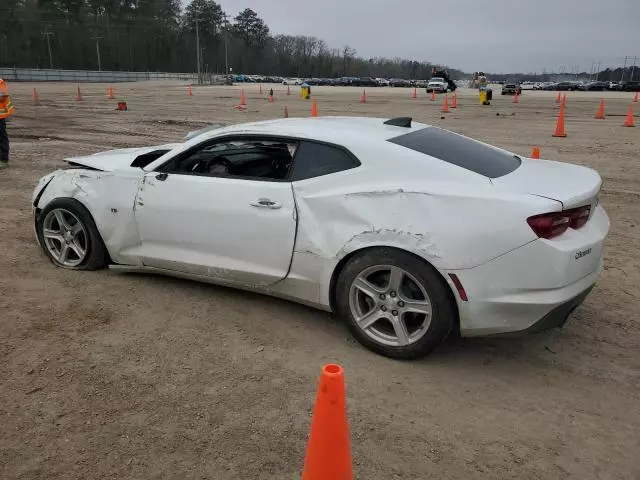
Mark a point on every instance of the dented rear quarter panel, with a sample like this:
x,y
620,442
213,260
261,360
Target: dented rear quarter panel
x,y
449,225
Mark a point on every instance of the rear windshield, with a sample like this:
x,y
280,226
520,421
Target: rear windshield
x,y
461,151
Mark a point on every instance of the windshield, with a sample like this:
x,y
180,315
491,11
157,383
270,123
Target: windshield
x,y
461,151
437,79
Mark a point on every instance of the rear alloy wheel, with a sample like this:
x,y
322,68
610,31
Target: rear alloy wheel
x,y
395,304
69,236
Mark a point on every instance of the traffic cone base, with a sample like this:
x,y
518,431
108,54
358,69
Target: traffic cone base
x,y
535,153
560,124
328,455
629,121
600,111
445,104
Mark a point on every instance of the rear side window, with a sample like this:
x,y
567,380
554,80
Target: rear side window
x,y
461,151
317,159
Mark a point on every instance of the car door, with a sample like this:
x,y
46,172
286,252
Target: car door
x,y
217,210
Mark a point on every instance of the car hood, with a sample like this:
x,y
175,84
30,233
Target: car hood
x,y
118,159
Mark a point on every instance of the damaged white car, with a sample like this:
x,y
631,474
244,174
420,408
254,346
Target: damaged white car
x,y
406,231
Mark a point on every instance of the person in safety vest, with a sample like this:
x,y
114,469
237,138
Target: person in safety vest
x,y
6,110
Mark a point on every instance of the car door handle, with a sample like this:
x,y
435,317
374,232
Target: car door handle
x,y
266,203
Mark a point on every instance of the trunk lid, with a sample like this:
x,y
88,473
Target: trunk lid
x,y
122,158
571,185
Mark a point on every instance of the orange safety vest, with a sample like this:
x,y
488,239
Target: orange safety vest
x,y
6,105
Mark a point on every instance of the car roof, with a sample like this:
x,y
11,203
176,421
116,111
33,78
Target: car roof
x,y
341,130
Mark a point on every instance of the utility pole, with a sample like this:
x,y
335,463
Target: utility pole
x,y
623,68
198,46
633,69
97,39
226,49
48,34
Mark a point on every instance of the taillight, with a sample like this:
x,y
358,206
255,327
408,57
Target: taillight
x,y
550,225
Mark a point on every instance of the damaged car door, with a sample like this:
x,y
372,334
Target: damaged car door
x,y
223,209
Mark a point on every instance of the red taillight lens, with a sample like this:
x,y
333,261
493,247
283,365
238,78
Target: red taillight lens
x,y
550,225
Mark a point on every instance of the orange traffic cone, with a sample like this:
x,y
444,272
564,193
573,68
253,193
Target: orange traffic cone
x,y
454,101
445,104
288,90
629,121
314,108
414,94
260,89
560,125
535,153
433,95
270,98
79,95
110,95
635,98
242,99
558,99
36,97
329,448
600,111
189,91
363,97
286,112
516,98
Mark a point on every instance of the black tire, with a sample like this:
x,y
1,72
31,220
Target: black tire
x,y
443,309
96,256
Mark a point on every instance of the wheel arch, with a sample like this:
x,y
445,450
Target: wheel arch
x,y
344,260
39,208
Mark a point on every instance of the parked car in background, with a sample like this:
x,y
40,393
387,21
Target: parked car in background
x,y
399,82
613,85
292,81
382,82
565,86
629,86
594,86
527,85
438,85
511,88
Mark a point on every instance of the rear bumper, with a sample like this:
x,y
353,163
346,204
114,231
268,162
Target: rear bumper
x,y
557,317
533,287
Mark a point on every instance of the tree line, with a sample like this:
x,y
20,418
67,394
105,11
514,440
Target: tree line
x,y
157,35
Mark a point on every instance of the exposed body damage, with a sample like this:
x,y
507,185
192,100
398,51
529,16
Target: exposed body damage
x,y
289,238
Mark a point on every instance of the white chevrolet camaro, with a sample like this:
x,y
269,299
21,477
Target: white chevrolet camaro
x,y
408,232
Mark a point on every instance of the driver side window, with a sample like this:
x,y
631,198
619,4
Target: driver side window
x,y
255,158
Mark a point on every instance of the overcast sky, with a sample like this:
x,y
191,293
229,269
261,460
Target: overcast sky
x,y
486,35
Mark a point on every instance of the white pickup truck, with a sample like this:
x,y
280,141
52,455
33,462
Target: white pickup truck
x,y
437,84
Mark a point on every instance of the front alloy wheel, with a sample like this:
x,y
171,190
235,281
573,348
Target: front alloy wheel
x,y
65,237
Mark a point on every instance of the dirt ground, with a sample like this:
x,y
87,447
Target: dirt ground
x,y
106,375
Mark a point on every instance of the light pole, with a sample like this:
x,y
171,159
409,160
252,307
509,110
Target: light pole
x,y
198,46
48,34
226,49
